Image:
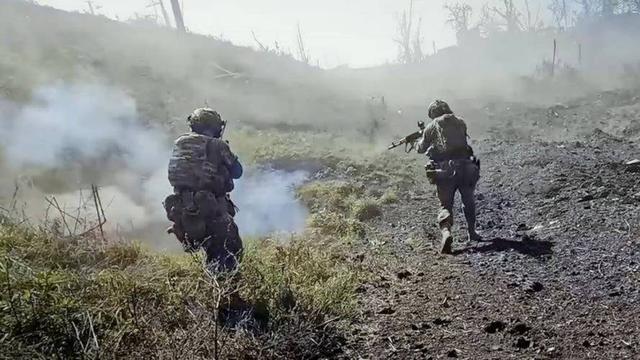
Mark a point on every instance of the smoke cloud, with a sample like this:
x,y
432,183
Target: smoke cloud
x,y
76,135
267,202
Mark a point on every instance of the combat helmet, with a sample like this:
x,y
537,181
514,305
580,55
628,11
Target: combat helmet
x,y
206,118
439,108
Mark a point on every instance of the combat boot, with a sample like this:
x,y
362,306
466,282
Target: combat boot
x,y
447,241
474,236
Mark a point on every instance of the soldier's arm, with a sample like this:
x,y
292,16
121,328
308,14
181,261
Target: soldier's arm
x,y
221,150
426,140
464,126
236,169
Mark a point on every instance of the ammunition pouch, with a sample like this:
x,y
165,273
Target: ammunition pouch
x,y
432,172
462,171
192,214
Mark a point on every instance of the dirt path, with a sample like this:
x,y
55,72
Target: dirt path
x,y
557,275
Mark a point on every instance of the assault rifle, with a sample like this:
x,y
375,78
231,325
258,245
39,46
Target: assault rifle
x,y
409,141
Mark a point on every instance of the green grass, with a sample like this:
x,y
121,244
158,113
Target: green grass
x,y
76,298
339,208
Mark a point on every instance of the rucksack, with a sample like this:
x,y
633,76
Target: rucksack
x,y
190,168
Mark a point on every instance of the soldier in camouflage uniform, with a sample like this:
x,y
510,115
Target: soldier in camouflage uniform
x,y
201,170
452,168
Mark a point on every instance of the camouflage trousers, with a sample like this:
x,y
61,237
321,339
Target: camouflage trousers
x,y
202,220
457,176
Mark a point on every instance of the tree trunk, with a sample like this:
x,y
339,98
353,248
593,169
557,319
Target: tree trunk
x,y
177,13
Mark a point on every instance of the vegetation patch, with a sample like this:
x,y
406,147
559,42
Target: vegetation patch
x,y
76,298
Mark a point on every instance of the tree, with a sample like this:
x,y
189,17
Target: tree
x,y
409,40
303,52
560,10
608,7
533,23
459,18
488,24
510,15
177,13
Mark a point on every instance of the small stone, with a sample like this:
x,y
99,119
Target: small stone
x,y
523,343
586,198
403,274
534,287
495,326
520,329
441,321
387,311
496,348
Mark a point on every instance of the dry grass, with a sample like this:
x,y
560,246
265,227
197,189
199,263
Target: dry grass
x,y
74,298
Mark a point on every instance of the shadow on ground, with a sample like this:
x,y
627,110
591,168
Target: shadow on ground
x,y
528,247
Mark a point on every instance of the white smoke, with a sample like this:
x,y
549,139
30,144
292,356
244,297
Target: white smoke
x,y
80,122
268,204
77,130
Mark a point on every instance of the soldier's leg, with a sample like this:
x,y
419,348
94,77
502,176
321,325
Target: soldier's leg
x,y
469,209
467,193
224,247
446,193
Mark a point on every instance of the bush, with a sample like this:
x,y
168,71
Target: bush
x,y
339,208
389,197
365,209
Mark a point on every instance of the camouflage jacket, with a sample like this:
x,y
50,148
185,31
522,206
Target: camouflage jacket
x,y
445,138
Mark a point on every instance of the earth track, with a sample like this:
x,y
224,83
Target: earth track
x,y
557,275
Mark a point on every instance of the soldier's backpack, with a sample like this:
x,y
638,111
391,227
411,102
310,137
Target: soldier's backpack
x,y
189,167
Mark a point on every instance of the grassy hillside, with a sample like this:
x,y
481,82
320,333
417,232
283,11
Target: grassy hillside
x,y
168,73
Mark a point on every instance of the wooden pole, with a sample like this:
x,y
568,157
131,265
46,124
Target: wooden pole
x,y
580,54
555,52
177,14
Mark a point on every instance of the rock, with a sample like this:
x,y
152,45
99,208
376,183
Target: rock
x,y
519,329
585,198
495,326
403,274
533,287
441,321
387,311
615,293
522,343
633,166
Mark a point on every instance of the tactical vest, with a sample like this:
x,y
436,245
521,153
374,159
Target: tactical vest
x,y
191,169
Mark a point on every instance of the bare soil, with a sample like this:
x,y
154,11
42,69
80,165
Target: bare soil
x,y
557,274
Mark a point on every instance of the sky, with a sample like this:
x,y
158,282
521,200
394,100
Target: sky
x,y
357,33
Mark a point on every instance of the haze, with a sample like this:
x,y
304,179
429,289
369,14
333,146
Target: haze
x,y
358,33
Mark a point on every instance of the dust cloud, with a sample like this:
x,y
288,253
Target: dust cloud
x,y
71,136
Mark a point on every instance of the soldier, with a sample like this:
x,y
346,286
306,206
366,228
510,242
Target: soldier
x,y
452,168
201,171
